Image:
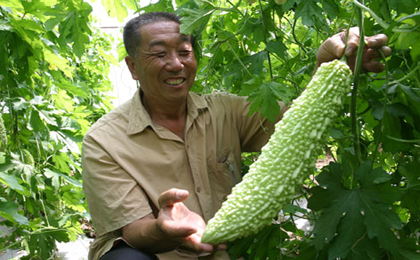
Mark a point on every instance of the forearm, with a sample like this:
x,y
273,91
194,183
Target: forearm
x,y
145,235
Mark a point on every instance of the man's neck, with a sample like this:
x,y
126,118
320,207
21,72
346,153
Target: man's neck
x,y
171,115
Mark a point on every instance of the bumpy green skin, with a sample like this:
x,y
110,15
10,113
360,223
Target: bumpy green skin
x,y
286,160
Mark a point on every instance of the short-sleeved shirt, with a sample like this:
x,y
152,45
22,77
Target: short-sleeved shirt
x,y
128,162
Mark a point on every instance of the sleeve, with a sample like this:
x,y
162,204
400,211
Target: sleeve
x,y
114,198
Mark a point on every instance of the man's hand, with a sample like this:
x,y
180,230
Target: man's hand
x,y
334,48
176,227
177,221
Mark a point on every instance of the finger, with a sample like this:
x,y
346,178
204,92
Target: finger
x,y
386,50
193,243
176,230
180,232
352,41
172,196
377,53
331,49
372,54
336,45
205,247
377,41
374,66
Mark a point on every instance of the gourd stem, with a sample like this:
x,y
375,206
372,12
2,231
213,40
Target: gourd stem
x,y
356,79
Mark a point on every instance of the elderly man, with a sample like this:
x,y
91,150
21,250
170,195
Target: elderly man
x,y
159,166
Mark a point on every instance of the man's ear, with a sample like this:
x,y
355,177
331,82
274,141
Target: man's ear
x,y
132,67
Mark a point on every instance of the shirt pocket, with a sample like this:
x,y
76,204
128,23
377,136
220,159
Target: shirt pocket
x,y
222,176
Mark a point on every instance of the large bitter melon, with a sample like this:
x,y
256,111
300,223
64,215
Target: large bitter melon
x,y
286,160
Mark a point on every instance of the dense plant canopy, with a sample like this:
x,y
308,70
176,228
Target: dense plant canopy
x,y
54,85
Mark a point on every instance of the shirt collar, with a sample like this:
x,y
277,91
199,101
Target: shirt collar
x,y
139,118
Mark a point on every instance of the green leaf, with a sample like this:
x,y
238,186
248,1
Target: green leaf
x,y
264,245
9,211
410,170
309,11
56,62
63,101
13,183
255,62
331,8
74,28
14,4
53,174
159,6
133,5
412,97
193,19
393,127
277,47
344,209
115,8
35,121
20,105
263,100
73,89
47,116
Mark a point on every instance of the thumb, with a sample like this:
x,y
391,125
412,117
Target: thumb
x,y
172,196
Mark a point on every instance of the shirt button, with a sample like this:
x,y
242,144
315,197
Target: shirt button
x,y
198,189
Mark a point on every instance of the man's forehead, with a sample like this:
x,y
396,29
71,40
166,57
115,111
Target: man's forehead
x,y
161,32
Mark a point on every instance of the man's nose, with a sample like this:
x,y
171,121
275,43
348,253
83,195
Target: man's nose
x,y
174,63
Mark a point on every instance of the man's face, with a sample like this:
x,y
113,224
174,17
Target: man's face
x,y
165,65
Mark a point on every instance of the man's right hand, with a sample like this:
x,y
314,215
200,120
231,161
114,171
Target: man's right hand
x,y
176,227
175,220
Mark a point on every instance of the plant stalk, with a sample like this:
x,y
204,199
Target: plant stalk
x,y
356,80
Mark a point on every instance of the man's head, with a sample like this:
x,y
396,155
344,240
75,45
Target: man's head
x,y
132,34
160,57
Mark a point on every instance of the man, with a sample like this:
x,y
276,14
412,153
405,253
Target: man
x,y
159,166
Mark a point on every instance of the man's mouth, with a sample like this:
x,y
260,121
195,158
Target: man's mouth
x,y
174,82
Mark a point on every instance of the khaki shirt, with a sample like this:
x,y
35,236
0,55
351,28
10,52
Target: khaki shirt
x,y
128,162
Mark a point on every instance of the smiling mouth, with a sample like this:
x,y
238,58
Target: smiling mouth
x,y
174,82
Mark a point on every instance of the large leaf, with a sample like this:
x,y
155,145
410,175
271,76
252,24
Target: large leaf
x,y
264,99
364,210
195,20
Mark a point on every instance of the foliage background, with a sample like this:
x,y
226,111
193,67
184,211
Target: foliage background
x,y
363,205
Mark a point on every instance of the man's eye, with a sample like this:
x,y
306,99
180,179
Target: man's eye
x,y
185,52
159,54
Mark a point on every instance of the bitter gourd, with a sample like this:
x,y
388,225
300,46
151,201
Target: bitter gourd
x,y
286,160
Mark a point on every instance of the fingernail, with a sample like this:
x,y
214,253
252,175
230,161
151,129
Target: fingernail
x,y
181,194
